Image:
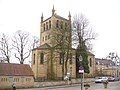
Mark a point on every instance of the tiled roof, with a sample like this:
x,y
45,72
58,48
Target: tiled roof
x,y
104,62
15,70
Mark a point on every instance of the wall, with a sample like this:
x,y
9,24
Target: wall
x,y
21,81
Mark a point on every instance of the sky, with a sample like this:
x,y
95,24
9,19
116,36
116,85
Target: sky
x,y
103,15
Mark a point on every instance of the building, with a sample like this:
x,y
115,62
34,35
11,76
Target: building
x,y
47,60
102,65
92,65
21,73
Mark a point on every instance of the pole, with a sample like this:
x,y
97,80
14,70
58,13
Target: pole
x,y
81,81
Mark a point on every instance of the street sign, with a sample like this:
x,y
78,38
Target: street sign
x,y
81,69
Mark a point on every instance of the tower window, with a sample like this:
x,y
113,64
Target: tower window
x,y
90,62
49,36
34,59
65,25
49,24
46,25
43,39
41,58
57,24
61,26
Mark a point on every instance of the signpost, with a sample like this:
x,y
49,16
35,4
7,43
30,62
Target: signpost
x,y
81,71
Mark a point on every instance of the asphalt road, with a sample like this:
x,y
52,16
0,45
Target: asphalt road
x,y
94,86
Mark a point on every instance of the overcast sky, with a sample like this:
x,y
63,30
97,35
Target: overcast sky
x,y
103,15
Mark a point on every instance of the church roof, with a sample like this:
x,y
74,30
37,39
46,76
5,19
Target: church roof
x,y
57,16
90,53
9,69
44,46
104,62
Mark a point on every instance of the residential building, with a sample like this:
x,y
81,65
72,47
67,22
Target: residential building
x,y
103,64
20,73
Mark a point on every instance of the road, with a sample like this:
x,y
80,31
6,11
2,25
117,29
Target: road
x,y
94,86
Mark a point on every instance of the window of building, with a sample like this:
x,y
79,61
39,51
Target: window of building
x,y
46,25
10,79
43,39
65,25
41,58
61,25
49,24
1,79
49,36
61,58
90,62
34,59
28,79
22,79
57,24
70,58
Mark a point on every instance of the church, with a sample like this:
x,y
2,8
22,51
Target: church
x,y
48,60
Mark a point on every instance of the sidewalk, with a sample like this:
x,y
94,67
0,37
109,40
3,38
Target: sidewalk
x,y
61,83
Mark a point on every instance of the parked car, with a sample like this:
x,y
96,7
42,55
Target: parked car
x,y
101,79
111,79
117,78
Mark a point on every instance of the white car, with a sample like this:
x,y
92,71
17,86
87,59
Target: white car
x,y
101,79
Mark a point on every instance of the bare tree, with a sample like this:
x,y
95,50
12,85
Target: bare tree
x,y
5,48
35,42
82,35
21,45
114,57
82,32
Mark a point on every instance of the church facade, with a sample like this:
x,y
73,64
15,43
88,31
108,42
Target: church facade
x,y
48,60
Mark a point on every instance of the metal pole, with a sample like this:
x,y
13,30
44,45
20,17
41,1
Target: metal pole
x,y
81,81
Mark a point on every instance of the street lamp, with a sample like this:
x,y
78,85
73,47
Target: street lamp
x,y
81,70
80,58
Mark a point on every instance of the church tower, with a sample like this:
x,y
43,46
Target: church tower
x,y
52,23
45,59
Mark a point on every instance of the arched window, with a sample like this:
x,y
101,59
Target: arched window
x,y
43,39
34,59
49,24
44,27
57,24
61,25
48,36
90,62
41,58
65,26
